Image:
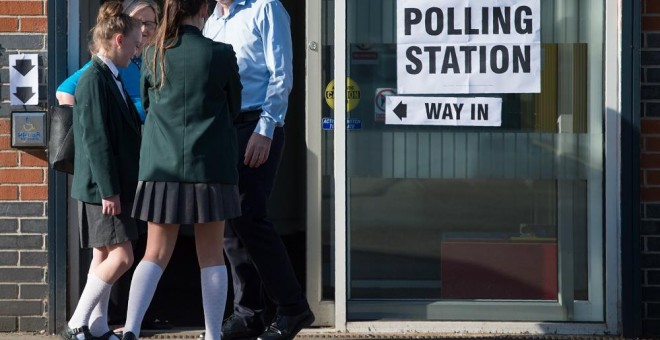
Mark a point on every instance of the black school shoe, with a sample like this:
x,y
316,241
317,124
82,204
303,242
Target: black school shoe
x,y
109,335
71,334
129,336
286,327
235,328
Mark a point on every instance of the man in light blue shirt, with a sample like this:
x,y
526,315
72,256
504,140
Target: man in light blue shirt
x,y
260,33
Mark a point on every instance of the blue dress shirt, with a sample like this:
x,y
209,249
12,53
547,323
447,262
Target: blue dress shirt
x,y
129,75
260,33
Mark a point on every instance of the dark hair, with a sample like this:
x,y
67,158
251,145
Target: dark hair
x,y
167,34
110,21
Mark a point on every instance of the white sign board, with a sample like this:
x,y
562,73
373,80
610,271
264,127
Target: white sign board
x,y
23,79
468,46
451,111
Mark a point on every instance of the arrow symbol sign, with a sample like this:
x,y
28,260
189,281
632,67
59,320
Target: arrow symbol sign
x,y
24,93
24,66
24,79
401,110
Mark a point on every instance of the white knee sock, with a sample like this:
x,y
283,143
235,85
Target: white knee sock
x,y
98,321
214,297
95,289
143,286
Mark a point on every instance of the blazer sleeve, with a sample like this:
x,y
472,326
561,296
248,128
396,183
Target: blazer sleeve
x,y
95,143
234,86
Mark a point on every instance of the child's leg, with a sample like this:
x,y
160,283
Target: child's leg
x,y
209,241
115,261
161,239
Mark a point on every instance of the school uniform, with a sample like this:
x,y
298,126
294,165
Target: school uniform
x,y
106,130
188,159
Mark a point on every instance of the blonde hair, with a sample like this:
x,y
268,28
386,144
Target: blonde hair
x,y
132,6
110,21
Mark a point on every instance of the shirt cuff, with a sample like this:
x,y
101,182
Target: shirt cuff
x,y
265,127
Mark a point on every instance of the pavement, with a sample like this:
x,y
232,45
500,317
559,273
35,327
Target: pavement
x,y
312,334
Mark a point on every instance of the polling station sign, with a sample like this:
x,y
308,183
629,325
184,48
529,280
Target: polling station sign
x,y
468,46
447,111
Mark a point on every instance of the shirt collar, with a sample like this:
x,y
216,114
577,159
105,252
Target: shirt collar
x,y
233,5
110,64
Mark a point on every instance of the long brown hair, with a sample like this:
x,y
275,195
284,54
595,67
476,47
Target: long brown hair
x,y
110,21
168,32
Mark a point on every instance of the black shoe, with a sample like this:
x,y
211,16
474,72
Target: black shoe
x,y
109,335
234,328
70,334
129,336
286,327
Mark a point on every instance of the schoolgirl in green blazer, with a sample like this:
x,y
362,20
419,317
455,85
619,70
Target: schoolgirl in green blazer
x,y
106,134
191,91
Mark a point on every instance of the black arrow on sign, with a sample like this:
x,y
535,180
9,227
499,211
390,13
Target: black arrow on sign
x,y
401,110
24,93
24,66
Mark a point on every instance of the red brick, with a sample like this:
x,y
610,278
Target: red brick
x,y
21,7
8,25
653,177
5,126
34,193
21,176
650,126
652,6
650,23
8,158
39,24
5,143
651,144
650,194
650,161
34,158
8,192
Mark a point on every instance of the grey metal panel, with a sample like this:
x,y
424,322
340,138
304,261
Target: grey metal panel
x,y
57,181
449,155
447,151
399,155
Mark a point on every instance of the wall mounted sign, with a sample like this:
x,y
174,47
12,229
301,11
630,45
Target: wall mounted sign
x,y
484,111
28,129
468,46
23,79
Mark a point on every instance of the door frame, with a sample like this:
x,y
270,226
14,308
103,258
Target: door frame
x,y
334,313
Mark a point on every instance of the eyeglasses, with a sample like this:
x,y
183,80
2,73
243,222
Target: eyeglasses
x,y
150,25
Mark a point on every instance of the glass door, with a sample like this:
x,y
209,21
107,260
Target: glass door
x,y
469,223
464,222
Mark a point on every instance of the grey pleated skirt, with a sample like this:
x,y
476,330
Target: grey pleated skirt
x,y
185,203
98,230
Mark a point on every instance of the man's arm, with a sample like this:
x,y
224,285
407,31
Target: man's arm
x,y
277,46
278,54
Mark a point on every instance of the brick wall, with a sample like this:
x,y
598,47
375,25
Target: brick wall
x,y
23,181
650,163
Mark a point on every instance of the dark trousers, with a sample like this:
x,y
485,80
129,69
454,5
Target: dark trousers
x,y
257,257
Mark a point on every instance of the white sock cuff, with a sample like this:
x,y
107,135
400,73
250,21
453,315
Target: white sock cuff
x,y
213,269
97,280
153,266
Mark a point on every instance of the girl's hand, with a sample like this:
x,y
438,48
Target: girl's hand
x,y
111,205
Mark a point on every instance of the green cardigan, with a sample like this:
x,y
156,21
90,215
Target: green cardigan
x,y
189,134
106,134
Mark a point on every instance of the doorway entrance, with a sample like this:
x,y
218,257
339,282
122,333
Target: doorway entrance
x,y
177,301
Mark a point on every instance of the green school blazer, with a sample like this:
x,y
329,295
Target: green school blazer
x,y
189,135
106,134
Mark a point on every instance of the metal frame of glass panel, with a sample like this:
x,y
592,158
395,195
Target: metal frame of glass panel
x,y
603,287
